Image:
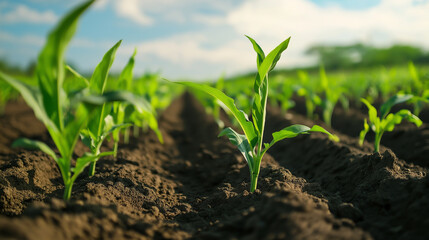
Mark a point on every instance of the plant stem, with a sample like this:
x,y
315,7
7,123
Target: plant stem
x,y
253,182
255,174
67,191
115,149
93,163
126,135
377,142
92,168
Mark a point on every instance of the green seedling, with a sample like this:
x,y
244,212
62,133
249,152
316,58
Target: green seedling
x,y
124,82
386,121
101,124
333,93
421,93
50,104
250,144
147,91
307,89
282,93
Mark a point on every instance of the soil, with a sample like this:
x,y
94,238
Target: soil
x,y
195,186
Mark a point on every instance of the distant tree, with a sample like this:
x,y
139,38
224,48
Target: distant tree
x,y
360,55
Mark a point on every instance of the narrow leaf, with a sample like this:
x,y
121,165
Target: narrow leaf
x,y
399,98
98,80
247,126
36,145
272,58
50,67
363,133
260,53
241,142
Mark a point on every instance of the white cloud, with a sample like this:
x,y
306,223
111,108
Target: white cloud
x,y
31,40
132,9
22,13
271,21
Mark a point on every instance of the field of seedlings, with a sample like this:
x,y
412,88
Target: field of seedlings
x,y
296,155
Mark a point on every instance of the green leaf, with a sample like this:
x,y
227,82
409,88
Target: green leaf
x,y
242,144
317,128
260,53
272,58
84,161
36,145
372,112
77,75
32,97
115,127
399,98
98,80
50,67
141,104
391,120
295,130
363,133
247,126
126,77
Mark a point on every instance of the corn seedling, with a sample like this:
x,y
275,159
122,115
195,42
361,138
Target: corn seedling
x,y
307,89
282,93
101,123
333,93
386,121
250,144
420,91
50,104
142,112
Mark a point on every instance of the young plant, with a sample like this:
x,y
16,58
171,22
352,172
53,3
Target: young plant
x,y
283,92
420,91
139,112
307,89
333,93
101,123
386,121
250,144
50,104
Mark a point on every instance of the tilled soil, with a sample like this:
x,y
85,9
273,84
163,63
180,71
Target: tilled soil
x,y
195,186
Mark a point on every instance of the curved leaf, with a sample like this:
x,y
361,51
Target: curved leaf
x,y
399,98
295,130
247,126
50,65
126,76
388,124
260,53
242,144
363,133
272,58
98,80
36,145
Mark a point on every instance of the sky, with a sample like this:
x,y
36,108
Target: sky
x,y
204,39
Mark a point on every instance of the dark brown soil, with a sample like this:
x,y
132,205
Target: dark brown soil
x,y
195,186
407,141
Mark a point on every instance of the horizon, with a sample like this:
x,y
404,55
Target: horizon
x,y
204,39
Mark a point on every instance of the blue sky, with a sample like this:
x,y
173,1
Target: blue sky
x,y
202,39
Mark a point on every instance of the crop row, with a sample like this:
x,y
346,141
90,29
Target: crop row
x,y
98,108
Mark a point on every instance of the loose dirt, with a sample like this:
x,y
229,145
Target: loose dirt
x,y
195,186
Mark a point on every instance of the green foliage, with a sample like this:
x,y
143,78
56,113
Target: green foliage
x,y
101,123
360,55
308,89
333,93
387,121
282,90
50,104
419,89
251,143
